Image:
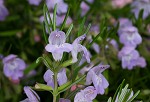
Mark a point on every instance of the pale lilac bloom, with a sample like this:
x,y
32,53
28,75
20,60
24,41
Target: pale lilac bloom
x,y
130,36
64,100
138,5
120,3
34,2
31,94
3,11
57,45
94,76
13,67
130,58
61,5
77,47
123,22
86,95
61,77
85,8
123,95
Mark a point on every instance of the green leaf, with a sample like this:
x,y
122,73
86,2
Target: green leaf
x,y
9,33
43,87
123,93
135,95
47,25
44,33
54,17
64,22
109,100
81,27
87,29
68,85
127,95
119,89
69,30
47,63
30,67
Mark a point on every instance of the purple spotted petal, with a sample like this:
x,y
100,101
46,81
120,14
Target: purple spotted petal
x,y
61,77
32,95
89,92
86,95
57,38
86,53
79,39
100,68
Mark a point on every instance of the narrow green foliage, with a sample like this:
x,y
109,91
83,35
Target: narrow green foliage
x,y
118,90
81,27
87,29
43,87
69,30
54,17
109,100
44,33
135,95
47,25
64,22
9,33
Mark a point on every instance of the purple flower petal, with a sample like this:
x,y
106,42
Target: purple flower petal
x,y
48,77
61,77
57,38
3,12
32,95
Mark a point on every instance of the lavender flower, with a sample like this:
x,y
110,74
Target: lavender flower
x,y
61,77
130,36
85,8
61,5
86,95
13,67
3,11
123,22
137,5
57,45
34,2
94,76
32,95
130,58
64,100
77,47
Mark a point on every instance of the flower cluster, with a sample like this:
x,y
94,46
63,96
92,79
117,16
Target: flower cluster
x,y
130,38
3,11
138,5
13,67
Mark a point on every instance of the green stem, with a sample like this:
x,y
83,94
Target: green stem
x,y
55,88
